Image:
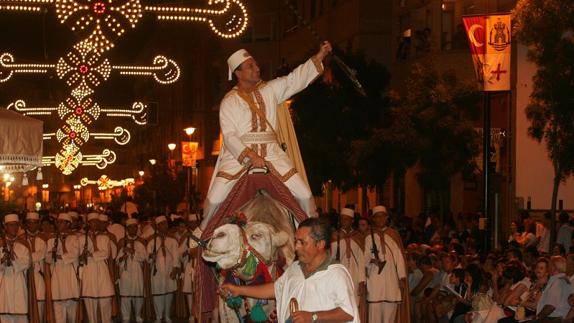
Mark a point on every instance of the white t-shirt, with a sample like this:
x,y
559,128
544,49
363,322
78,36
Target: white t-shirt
x,y
322,291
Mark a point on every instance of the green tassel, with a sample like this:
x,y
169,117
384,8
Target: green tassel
x,y
234,302
258,314
250,265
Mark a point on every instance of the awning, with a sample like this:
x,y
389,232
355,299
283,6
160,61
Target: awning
x,y
21,142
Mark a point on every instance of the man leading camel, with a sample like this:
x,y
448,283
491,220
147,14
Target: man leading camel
x,y
323,289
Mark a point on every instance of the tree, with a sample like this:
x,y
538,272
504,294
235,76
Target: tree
x,y
160,190
443,112
330,117
390,150
546,27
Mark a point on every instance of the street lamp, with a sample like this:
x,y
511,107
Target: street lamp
x,y
171,161
152,161
141,173
189,131
78,194
45,193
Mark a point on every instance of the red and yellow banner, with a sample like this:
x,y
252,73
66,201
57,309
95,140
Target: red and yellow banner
x,y
189,153
489,39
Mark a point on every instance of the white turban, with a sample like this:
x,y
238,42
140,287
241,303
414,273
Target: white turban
x,y
237,59
379,208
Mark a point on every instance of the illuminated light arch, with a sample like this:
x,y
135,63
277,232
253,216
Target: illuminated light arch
x,y
98,23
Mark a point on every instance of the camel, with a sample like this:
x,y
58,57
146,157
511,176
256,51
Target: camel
x,y
247,255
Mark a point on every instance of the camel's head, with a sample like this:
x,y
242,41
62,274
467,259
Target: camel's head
x,y
227,243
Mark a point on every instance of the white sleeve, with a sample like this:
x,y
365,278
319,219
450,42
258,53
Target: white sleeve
x,y
73,250
360,261
140,253
228,118
341,290
40,250
398,257
22,258
103,248
286,86
367,254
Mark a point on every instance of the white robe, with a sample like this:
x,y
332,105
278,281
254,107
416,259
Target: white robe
x,y
239,124
13,288
131,270
324,290
188,270
166,259
384,286
95,275
38,257
354,260
63,272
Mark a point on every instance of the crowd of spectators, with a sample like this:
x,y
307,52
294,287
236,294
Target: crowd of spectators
x,y
454,278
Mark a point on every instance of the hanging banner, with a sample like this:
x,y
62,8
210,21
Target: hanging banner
x,y
189,153
489,38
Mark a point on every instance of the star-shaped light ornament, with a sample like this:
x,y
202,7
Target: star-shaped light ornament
x,y
68,159
73,132
85,110
83,69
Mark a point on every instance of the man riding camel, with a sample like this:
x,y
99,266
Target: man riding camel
x,y
248,120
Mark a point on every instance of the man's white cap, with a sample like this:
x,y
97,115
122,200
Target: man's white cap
x,y
236,59
65,217
11,218
347,212
131,221
379,208
32,216
160,219
74,214
93,216
103,218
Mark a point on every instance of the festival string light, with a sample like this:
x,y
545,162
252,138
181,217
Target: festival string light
x,y
67,161
85,69
104,182
120,135
138,111
163,70
9,68
101,22
98,23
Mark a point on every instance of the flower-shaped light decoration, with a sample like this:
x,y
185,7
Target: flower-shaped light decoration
x,y
83,69
85,110
105,182
73,132
99,22
68,159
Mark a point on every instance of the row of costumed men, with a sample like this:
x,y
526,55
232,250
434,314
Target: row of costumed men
x,y
94,272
